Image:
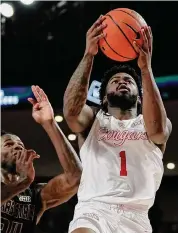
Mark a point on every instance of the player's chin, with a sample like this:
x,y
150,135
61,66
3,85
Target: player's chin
x,y
9,167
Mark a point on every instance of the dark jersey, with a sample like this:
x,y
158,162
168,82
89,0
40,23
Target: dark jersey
x,y
19,215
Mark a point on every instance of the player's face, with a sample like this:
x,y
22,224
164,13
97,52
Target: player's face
x,y
11,146
122,91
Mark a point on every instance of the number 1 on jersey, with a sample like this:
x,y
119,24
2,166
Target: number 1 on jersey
x,y
123,171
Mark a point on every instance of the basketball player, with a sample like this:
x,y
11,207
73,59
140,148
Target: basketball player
x,y
22,204
122,154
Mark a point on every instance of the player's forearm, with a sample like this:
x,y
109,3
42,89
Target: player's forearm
x,y
153,108
66,154
76,93
8,191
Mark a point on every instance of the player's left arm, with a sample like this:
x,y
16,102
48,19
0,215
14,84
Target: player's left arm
x,y
158,126
61,188
57,191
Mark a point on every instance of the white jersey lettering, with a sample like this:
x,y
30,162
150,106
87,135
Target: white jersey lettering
x,y
120,164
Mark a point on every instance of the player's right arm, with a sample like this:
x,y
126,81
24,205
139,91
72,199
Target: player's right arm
x,y
77,114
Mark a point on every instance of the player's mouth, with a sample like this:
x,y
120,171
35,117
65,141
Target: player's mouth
x,y
123,88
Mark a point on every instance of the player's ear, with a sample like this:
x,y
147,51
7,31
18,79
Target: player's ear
x,y
105,103
105,100
139,100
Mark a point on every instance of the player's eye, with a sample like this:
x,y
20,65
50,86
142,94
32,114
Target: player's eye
x,y
114,81
129,80
9,144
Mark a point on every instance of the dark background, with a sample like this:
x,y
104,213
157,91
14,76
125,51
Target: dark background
x,y
42,44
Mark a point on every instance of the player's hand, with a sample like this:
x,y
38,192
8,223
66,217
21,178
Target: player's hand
x,y
24,164
94,34
145,52
42,111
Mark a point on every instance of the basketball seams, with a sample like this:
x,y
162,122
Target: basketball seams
x,y
130,15
121,31
115,51
119,20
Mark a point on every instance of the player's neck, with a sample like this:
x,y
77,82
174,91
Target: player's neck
x,y
122,115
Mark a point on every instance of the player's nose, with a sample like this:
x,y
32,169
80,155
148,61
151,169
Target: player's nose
x,y
17,147
122,81
121,84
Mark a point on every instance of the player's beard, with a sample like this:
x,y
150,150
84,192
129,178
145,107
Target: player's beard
x,y
9,167
122,101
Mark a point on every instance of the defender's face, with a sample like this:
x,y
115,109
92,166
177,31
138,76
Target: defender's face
x,y
11,146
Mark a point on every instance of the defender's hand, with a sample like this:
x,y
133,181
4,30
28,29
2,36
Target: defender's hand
x,y
94,34
24,164
42,111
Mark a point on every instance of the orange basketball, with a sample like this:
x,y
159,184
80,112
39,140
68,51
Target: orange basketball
x,y
123,27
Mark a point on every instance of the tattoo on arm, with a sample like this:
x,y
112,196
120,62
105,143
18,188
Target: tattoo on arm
x,y
67,156
154,112
76,92
57,191
62,187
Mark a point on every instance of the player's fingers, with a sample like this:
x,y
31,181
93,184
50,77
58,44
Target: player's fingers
x,y
23,157
101,20
34,90
96,23
151,39
136,47
100,36
36,156
32,155
32,101
35,104
150,32
148,36
145,41
38,92
17,155
30,151
36,107
93,26
42,93
98,30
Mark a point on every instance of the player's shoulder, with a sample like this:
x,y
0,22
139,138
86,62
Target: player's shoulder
x,y
83,135
95,110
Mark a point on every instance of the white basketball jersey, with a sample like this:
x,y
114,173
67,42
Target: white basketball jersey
x,y
120,164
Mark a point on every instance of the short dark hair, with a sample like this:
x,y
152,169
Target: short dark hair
x,y
109,74
3,132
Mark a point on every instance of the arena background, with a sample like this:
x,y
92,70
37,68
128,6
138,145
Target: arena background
x,y
42,44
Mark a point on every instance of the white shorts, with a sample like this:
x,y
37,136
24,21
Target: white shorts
x,y
107,218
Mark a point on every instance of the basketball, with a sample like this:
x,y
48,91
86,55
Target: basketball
x,y
123,27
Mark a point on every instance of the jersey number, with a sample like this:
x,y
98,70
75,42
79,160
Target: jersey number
x,y
10,227
123,171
